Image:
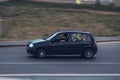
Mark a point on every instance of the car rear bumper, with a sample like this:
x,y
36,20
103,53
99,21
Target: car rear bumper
x,y
95,49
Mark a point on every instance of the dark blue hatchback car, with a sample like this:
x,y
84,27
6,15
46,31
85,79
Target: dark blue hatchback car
x,y
64,43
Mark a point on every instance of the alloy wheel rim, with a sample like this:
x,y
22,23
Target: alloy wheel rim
x,y
41,53
88,54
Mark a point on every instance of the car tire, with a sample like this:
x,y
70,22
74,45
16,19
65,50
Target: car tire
x,y
88,54
41,53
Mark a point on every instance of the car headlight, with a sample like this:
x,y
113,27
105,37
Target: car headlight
x,y
31,45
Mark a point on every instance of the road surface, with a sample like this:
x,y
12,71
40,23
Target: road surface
x,y
14,61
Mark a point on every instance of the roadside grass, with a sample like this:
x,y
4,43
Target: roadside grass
x,y
29,20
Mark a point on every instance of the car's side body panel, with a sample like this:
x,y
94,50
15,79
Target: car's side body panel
x,y
69,47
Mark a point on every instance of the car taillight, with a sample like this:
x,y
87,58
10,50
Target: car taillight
x,y
94,43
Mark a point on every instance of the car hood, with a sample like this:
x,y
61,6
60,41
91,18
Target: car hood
x,y
37,41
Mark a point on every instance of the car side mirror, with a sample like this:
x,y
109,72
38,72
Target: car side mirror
x,y
58,40
54,40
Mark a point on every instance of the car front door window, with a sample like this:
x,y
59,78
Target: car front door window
x,y
60,38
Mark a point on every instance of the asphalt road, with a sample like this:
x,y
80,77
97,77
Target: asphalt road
x,y
15,60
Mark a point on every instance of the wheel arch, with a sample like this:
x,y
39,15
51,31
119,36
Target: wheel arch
x,y
41,48
87,48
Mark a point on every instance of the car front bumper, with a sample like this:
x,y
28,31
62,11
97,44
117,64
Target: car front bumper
x,y
30,50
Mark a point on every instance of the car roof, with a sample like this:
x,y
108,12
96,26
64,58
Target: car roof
x,y
72,31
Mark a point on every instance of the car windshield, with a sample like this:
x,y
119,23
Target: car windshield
x,y
49,37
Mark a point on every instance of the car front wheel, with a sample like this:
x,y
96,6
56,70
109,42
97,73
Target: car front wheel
x,y
41,53
88,54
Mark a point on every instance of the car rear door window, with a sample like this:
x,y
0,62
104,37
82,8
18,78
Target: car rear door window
x,y
78,37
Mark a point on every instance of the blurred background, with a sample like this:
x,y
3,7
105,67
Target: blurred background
x,y
30,19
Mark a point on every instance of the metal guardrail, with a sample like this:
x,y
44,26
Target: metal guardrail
x,y
0,27
103,2
70,1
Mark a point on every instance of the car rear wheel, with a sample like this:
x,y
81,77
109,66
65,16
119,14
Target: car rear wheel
x,y
88,54
41,53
